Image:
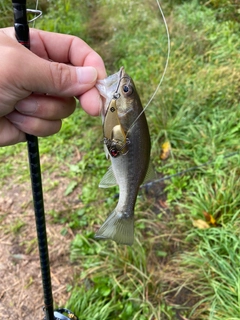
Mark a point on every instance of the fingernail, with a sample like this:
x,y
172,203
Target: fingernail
x,y
28,106
86,75
15,117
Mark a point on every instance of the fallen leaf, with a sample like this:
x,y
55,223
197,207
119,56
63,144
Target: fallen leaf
x,y
165,150
210,219
163,204
200,224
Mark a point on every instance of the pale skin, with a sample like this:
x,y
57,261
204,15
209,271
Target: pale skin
x,y
38,86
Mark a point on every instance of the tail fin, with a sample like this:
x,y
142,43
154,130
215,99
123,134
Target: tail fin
x,y
119,227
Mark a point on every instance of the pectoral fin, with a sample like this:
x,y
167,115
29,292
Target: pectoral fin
x,y
108,180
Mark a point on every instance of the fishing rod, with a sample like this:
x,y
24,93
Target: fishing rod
x,y
22,35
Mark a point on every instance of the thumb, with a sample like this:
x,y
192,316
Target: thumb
x,y
59,78
23,72
28,73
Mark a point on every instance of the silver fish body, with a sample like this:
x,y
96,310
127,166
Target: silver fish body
x,y
127,143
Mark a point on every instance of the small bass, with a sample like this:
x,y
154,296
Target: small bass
x,y
127,144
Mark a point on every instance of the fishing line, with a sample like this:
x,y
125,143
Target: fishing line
x,y
37,13
149,184
165,67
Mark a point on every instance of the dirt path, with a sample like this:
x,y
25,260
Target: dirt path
x,y
20,276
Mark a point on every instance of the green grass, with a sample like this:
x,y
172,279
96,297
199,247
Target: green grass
x,y
173,268
217,259
14,227
126,292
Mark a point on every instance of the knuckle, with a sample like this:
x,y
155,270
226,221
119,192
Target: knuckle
x,y
60,75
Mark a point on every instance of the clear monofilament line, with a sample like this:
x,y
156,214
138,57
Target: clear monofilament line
x,y
165,67
36,8
38,14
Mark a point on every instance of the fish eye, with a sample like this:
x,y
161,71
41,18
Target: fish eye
x,y
127,89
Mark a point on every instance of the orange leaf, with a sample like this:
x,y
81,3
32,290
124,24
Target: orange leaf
x,y
210,219
163,204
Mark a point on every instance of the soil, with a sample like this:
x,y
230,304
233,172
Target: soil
x,y
21,294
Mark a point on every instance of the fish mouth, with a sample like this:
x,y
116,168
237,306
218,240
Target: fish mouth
x,y
110,88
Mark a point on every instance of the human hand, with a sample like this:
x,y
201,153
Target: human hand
x,y
37,87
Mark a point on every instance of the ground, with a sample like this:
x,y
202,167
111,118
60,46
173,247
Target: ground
x,y
20,277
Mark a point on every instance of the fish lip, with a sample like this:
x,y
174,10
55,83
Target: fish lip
x,y
122,75
116,94
121,72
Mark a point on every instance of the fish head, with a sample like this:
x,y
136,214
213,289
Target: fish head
x,y
118,87
118,116
121,108
126,94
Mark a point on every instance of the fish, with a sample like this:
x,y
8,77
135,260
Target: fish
x,y
127,144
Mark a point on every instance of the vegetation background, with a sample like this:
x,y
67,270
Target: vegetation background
x,y
185,262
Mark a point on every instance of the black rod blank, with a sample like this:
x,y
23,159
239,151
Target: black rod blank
x,y
35,171
22,35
